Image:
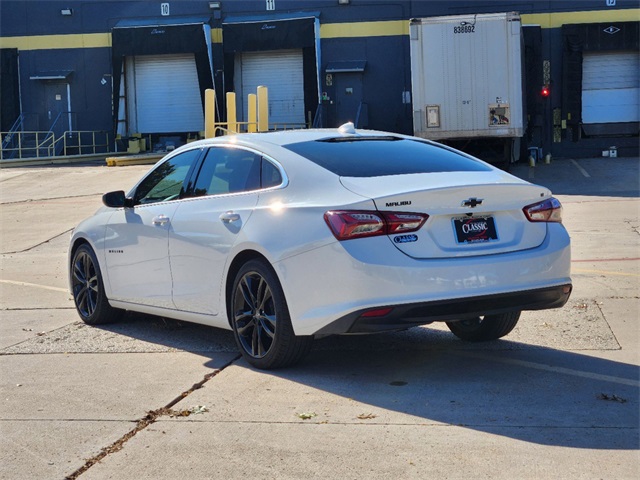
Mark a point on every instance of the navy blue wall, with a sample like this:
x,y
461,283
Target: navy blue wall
x,y
386,76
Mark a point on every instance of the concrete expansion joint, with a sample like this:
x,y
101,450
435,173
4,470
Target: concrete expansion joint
x,y
31,309
150,418
599,307
39,244
49,199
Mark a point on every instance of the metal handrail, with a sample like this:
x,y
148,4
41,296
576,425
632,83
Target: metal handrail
x,y
17,124
357,122
318,117
14,128
50,142
55,121
93,146
21,149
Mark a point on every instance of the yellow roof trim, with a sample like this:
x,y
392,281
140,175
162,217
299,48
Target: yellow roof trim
x,y
364,29
327,30
52,42
557,19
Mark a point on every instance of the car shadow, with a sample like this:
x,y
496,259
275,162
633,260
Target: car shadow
x,y
426,376
533,394
155,333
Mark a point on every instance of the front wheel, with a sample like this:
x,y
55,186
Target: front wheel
x,y
260,319
483,329
88,289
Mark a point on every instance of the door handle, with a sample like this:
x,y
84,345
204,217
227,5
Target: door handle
x,y
228,217
160,220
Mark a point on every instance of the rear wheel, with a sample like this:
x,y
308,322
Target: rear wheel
x,y
88,289
260,319
482,329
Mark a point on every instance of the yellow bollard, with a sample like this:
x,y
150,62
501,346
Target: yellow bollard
x,y
232,124
209,113
547,158
263,109
532,161
252,126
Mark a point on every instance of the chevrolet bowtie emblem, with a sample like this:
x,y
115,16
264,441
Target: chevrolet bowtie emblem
x,y
472,202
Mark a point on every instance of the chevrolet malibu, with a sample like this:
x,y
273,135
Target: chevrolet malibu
x,y
284,237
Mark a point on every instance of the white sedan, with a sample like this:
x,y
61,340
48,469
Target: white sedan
x,y
288,236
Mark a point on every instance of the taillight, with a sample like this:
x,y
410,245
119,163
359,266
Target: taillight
x,y
549,210
404,222
347,225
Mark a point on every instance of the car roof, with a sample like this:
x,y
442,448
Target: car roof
x,y
286,137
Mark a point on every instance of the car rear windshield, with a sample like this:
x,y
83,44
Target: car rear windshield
x,y
380,156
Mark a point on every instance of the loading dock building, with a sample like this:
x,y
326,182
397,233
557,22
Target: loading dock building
x,y
141,67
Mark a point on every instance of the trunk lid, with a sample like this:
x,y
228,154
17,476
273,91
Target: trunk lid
x,y
470,213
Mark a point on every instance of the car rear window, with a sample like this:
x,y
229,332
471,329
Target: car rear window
x,y
380,156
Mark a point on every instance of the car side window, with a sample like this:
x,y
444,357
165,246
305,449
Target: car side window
x,y
166,182
228,170
271,176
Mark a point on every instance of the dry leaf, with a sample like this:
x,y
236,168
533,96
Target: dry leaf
x,y
306,415
367,416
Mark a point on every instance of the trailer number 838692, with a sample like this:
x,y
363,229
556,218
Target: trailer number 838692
x,y
464,29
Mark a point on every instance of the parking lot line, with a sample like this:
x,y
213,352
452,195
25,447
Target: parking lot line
x,y
582,170
604,272
551,368
589,260
35,285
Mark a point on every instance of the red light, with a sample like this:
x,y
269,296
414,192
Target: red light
x,y
357,224
404,222
545,91
549,210
378,312
347,225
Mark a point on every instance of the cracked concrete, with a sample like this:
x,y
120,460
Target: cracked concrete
x,y
633,224
150,418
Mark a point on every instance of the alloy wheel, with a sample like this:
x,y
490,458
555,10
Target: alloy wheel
x,y
254,314
85,284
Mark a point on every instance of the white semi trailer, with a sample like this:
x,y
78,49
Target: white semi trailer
x,y
467,82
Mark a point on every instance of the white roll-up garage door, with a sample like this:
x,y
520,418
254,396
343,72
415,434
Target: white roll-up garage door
x,y
610,87
167,94
282,73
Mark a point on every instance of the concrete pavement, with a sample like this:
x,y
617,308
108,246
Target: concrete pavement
x,y
557,398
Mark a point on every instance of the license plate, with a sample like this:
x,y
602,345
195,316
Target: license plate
x,y
475,229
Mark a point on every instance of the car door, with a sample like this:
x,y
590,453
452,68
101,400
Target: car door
x,y
206,228
137,239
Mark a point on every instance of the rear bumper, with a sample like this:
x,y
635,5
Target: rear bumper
x,y
325,285
410,315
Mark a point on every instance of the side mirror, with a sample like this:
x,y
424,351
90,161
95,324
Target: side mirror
x,y
117,200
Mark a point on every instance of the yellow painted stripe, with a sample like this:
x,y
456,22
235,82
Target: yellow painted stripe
x,y
364,29
550,368
34,285
53,42
556,20
216,35
327,30
545,20
604,272
87,40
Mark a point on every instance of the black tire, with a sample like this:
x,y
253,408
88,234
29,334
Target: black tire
x,y
88,289
260,319
483,329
